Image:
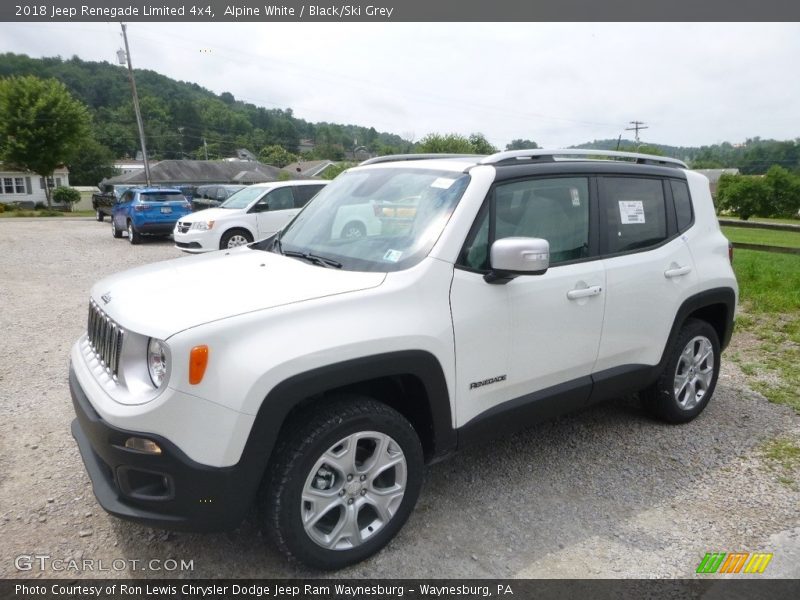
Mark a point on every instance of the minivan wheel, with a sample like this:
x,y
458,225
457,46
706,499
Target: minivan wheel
x,y
688,380
343,483
234,238
353,230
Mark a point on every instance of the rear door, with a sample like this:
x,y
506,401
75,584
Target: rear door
x,y
161,206
649,269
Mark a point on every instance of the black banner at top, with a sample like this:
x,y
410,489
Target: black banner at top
x,y
399,10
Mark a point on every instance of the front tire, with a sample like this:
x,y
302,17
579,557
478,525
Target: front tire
x,y
353,230
235,238
114,231
686,384
344,481
99,216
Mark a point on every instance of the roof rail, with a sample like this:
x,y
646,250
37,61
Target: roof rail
x,y
400,157
549,156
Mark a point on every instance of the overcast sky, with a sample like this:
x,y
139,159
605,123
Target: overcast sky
x,y
556,84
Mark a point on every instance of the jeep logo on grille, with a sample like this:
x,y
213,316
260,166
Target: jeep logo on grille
x,y
106,298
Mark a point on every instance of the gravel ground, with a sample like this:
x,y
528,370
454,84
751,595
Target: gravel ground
x,y
606,493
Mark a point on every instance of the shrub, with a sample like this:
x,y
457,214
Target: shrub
x,y
2,207
39,206
66,195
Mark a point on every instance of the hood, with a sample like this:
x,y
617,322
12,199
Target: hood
x,y
161,299
211,214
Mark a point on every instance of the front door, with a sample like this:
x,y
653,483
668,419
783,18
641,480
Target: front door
x,y
534,339
274,211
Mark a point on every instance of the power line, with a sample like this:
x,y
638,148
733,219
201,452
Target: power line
x,y
637,125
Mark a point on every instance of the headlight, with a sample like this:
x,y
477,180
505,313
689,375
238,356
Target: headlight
x,y
157,361
203,225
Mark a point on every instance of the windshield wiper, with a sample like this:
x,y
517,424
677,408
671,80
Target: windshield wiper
x,y
322,261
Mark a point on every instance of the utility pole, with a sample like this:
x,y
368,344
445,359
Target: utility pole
x,y
637,125
136,106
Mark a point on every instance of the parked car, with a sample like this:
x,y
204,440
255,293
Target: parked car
x,y
321,372
211,196
103,203
252,213
148,211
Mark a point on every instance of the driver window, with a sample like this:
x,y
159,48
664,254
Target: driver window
x,y
279,199
556,210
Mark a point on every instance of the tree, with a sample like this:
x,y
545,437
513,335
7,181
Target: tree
x,y
277,156
743,195
522,145
453,143
92,162
66,195
40,125
784,192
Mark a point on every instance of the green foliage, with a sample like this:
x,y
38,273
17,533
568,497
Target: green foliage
x,y
41,124
91,163
284,176
777,194
66,195
453,143
277,156
763,237
521,144
743,196
335,170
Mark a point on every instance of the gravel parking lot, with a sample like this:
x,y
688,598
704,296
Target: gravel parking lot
x,y
606,493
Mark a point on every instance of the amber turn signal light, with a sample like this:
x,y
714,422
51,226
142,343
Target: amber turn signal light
x,y
198,360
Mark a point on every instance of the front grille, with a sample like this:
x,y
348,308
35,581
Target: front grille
x,y
183,227
105,337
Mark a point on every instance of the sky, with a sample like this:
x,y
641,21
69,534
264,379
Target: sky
x,y
692,84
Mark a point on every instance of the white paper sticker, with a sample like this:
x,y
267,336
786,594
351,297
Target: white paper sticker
x,y
631,211
576,197
443,183
392,255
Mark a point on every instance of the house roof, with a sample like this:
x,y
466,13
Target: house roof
x,y
714,174
172,172
308,168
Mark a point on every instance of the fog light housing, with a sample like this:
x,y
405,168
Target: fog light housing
x,y
143,445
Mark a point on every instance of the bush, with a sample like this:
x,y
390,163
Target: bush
x,y
66,195
39,206
2,207
49,213
777,194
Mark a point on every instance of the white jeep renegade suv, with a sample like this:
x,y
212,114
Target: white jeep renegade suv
x,y
508,289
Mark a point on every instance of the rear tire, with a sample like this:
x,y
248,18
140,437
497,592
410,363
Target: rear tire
x,y
686,384
344,480
134,237
99,216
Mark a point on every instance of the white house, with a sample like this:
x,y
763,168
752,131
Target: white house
x,y
26,187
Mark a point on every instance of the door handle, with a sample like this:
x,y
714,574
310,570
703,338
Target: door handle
x,y
677,271
584,292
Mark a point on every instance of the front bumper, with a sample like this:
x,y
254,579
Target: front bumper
x,y
168,490
195,240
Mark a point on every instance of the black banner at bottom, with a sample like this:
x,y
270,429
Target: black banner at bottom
x,y
371,589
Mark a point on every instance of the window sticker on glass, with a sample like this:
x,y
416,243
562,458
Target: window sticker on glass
x,y
576,197
631,211
442,183
392,255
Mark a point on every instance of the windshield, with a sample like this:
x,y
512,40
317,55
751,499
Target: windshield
x,y
243,198
376,219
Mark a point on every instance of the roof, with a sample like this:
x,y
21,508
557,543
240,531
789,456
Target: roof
x,y
713,175
171,172
309,168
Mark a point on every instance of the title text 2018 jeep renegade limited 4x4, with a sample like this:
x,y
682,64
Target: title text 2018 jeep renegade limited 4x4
x,y
322,371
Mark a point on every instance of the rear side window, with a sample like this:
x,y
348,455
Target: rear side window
x,y
632,213
304,193
683,204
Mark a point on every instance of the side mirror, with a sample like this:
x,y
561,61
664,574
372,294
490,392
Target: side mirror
x,y
514,256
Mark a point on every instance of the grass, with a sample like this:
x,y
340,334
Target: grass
x,y
782,454
10,214
783,220
766,237
767,342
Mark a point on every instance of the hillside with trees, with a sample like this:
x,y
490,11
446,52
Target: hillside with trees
x,y
184,120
